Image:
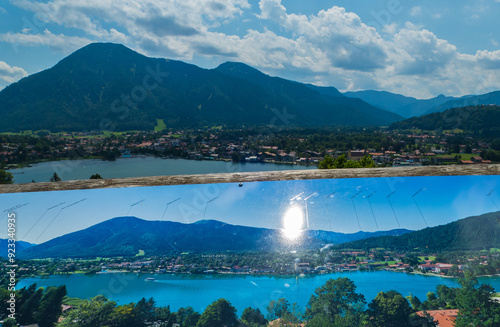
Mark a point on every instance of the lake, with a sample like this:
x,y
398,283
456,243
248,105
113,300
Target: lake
x,y
138,167
198,291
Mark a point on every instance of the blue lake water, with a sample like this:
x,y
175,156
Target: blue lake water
x,y
138,167
242,291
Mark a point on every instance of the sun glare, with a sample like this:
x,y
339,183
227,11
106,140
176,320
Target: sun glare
x,y
293,222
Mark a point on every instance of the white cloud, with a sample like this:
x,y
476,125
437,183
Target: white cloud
x,y
129,14
341,36
272,9
60,42
331,47
168,28
390,29
416,11
11,74
420,52
488,59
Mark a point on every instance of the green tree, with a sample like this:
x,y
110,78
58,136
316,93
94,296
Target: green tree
x,y
341,162
94,313
187,317
353,317
219,314
476,306
410,259
327,163
50,308
9,322
422,321
96,176
235,156
124,316
454,271
4,296
253,317
55,178
367,162
389,309
28,303
448,295
283,310
277,309
6,177
415,302
431,296
163,314
144,311
336,299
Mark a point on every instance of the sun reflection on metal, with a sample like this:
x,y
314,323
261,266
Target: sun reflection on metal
x,y
293,222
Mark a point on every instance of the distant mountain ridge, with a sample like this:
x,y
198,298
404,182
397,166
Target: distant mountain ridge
x,y
472,233
105,86
400,104
125,236
411,107
19,247
492,98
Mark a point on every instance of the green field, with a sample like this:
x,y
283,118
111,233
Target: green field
x,y
464,156
160,125
422,257
74,301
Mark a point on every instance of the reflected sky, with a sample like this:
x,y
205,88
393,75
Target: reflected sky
x,y
341,205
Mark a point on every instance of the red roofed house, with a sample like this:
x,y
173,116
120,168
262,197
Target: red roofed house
x,y
444,318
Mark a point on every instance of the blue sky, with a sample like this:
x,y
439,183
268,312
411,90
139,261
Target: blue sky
x,y
418,49
262,204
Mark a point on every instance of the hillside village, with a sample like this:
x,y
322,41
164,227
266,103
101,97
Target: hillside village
x,y
272,264
385,147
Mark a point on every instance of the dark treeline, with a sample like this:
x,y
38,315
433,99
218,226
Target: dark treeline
x,y
334,304
33,305
482,121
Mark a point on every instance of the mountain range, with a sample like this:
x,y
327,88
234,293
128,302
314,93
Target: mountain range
x,y
106,86
411,107
125,236
400,104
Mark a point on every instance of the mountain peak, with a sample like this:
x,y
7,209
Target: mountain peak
x,y
103,51
210,222
104,45
238,68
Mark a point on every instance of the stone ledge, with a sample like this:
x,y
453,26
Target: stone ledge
x,y
454,170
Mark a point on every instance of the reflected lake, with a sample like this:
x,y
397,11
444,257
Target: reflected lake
x,y
139,167
242,291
